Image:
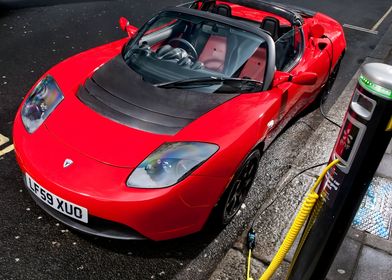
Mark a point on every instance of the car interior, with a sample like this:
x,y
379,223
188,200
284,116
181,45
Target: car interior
x,y
206,45
288,39
208,48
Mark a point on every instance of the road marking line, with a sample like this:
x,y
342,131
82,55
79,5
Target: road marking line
x,y
6,150
358,28
3,139
382,19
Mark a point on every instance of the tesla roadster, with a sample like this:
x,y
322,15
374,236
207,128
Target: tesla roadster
x,y
153,135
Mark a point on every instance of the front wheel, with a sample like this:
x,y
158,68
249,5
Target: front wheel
x,y
236,192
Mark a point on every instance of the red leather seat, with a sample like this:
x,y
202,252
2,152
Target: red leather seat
x,y
213,54
254,68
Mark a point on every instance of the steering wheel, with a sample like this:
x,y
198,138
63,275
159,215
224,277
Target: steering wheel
x,y
189,45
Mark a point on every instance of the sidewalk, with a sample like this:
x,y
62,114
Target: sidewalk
x,y
366,252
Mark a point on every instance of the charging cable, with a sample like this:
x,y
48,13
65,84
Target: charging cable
x,y
294,230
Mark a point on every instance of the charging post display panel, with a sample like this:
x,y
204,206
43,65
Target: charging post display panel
x,y
349,140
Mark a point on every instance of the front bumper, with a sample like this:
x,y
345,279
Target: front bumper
x,y
96,226
115,210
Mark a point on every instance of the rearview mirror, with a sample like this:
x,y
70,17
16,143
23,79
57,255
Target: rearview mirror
x,y
304,78
124,25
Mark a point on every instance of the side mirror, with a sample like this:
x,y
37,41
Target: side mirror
x,y
304,78
124,25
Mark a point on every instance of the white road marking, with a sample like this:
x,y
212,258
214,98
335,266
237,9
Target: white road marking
x,y
382,18
358,28
6,150
373,30
3,139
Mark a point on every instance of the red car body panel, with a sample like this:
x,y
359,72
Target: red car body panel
x,y
106,152
157,214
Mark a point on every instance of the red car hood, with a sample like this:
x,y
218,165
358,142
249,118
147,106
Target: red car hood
x,y
98,137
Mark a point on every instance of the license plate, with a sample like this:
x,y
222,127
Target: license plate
x,y
67,208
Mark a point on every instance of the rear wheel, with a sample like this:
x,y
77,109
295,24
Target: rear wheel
x,y
236,192
324,93
331,80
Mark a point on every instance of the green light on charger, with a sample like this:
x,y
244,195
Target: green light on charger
x,y
374,88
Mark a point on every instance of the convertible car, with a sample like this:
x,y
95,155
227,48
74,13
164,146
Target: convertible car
x,y
155,134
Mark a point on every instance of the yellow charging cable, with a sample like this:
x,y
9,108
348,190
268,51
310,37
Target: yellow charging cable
x,y
295,228
248,268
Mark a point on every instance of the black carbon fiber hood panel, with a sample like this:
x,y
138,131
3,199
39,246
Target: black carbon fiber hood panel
x,y
117,92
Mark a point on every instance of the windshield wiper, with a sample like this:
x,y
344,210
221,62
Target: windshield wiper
x,y
228,84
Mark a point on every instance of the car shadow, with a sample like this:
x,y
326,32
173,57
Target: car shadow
x,y
183,248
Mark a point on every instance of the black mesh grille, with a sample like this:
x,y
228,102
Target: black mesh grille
x,y
95,226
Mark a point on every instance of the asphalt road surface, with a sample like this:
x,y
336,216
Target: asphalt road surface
x,y
32,244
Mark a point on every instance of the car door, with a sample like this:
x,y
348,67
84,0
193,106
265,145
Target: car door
x,y
296,55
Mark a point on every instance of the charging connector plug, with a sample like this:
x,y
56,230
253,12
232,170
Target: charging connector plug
x,y
251,239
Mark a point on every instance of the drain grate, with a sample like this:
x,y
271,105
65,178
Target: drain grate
x,y
375,212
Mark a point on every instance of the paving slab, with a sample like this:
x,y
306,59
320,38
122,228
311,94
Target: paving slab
x,y
344,264
356,234
385,167
233,267
373,264
378,243
273,224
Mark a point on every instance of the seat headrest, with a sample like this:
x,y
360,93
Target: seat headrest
x,y
222,9
271,25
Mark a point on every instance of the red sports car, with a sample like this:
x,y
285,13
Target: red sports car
x,y
152,135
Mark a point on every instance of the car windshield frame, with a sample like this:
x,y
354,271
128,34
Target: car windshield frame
x,y
182,11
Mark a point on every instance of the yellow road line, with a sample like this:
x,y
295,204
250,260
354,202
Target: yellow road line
x,y
382,19
7,150
3,139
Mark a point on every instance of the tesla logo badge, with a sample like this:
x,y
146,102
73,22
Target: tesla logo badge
x,y
67,162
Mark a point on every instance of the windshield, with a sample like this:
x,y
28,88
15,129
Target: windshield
x,y
178,50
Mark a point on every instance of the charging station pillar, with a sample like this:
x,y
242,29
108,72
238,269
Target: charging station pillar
x,y
360,146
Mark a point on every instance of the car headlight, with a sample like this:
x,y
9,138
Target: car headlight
x,y
170,163
42,101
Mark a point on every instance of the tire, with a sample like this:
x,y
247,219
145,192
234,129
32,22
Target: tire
x,y
325,92
331,80
235,194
